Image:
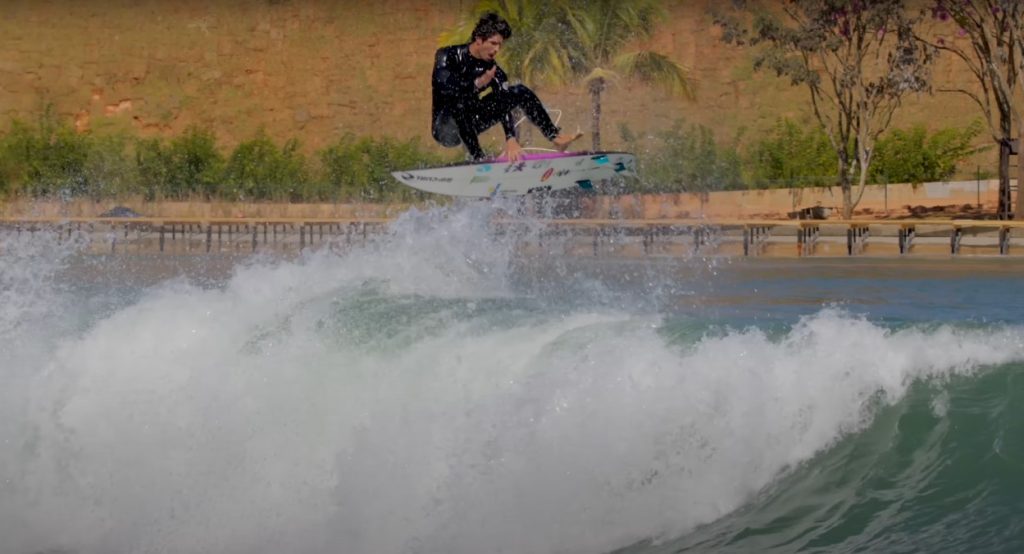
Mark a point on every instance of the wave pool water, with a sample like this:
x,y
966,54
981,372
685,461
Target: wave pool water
x,y
441,390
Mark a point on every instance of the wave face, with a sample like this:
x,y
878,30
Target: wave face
x,y
445,389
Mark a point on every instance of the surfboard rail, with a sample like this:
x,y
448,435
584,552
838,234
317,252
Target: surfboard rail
x,y
535,172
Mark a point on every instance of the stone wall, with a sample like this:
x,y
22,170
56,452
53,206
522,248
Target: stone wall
x,y
878,200
961,198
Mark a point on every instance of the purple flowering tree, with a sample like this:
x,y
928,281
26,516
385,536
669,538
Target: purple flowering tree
x,y
988,37
857,60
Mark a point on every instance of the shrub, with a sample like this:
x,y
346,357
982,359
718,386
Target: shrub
x,y
360,168
46,160
791,155
109,171
259,170
153,163
15,148
187,165
913,156
53,159
685,159
197,162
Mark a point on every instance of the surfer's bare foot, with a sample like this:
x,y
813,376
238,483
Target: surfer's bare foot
x,y
563,141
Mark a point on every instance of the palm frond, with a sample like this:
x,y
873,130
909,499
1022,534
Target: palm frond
x,y
607,26
583,29
603,74
653,67
547,63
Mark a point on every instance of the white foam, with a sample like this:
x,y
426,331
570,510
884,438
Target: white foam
x,y
244,420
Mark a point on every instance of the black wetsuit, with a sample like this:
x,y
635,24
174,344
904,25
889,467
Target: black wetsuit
x,y
461,111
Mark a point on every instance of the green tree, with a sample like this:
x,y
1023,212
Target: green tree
x,y
586,42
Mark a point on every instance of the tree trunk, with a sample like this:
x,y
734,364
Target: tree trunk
x,y
1004,210
862,183
847,199
845,186
1019,216
596,86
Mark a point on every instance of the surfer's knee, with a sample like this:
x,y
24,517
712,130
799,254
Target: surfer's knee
x,y
520,91
446,132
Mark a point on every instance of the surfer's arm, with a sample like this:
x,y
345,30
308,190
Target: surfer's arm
x,y
508,121
513,150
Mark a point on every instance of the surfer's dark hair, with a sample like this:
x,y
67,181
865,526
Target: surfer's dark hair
x,y
489,25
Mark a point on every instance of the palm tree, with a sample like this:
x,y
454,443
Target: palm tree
x,y
561,42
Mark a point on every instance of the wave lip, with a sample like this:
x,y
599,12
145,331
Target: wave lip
x,y
934,471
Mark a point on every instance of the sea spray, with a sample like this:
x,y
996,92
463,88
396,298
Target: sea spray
x,y
413,396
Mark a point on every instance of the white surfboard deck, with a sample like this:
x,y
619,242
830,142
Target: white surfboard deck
x,y
535,173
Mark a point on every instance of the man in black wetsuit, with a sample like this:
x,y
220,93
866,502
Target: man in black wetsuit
x,y
471,94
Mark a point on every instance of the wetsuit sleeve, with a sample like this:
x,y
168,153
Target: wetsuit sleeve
x,y
447,78
508,122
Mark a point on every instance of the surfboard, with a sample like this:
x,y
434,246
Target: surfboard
x,y
536,172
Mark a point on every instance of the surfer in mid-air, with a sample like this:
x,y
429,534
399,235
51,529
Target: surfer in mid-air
x,y
471,94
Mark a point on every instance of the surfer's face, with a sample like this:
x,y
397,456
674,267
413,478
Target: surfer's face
x,y
487,49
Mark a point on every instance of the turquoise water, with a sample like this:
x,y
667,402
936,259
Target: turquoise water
x,y
447,390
